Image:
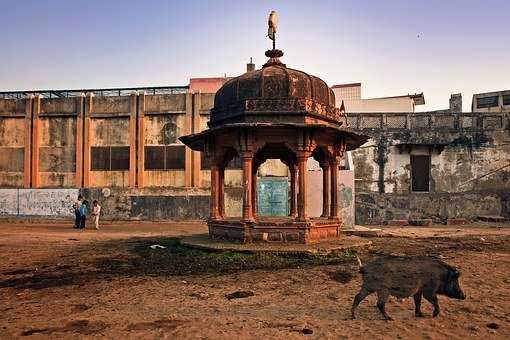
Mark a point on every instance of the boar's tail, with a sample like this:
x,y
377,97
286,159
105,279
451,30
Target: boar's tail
x,y
359,264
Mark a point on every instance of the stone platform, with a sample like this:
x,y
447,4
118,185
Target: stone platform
x,y
275,229
341,244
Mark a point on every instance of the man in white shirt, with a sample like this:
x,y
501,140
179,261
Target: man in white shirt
x,y
96,211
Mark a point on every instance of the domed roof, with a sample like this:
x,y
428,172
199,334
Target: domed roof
x,y
273,81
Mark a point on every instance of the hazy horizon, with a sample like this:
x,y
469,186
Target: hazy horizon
x,y
391,47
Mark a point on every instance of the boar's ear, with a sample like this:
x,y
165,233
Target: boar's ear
x,y
454,274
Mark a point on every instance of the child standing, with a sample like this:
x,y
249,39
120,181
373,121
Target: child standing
x,y
96,210
84,209
76,208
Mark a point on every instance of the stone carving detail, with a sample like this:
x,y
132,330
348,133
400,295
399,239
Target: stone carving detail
x,y
280,105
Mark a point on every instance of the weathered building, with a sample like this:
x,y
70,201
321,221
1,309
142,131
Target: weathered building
x,y
121,147
432,165
350,95
498,101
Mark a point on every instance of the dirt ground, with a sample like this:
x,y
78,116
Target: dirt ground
x,y
54,284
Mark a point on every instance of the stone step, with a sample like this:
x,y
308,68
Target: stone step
x,y
422,222
397,223
457,221
362,232
487,218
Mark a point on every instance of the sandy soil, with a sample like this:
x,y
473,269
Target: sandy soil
x,y
51,286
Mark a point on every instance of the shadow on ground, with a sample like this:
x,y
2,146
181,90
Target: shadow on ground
x,y
134,257
109,260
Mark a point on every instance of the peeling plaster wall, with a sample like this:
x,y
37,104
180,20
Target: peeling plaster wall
x,y
67,129
57,152
12,142
459,155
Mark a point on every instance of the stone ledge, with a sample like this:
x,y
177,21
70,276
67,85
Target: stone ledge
x,y
425,222
457,221
344,243
496,219
397,223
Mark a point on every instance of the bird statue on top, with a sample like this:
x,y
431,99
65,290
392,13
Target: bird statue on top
x,y
272,23
273,54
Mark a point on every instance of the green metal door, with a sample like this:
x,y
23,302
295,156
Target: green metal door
x,y
273,196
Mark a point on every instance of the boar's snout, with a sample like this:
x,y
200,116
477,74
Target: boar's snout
x,y
453,289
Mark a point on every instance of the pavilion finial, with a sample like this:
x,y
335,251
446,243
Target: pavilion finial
x,y
272,23
273,54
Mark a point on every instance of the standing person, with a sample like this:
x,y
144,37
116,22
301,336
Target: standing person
x,y
96,210
84,209
76,207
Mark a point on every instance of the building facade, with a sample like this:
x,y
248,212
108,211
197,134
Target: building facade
x,y
350,95
121,146
435,165
498,101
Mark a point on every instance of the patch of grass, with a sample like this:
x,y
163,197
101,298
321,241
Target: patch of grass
x,y
177,259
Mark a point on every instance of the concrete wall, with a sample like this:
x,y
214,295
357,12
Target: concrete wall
x,y
468,176
66,143
397,104
37,202
350,95
15,120
501,103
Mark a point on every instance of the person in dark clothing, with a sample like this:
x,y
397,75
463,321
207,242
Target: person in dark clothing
x,y
84,208
76,207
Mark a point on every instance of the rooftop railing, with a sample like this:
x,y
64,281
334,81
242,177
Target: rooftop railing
x,y
121,91
429,120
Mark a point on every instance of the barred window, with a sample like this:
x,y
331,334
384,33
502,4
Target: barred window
x,y
109,158
165,157
506,99
486,102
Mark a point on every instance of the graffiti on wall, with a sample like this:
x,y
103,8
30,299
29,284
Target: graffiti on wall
x,y
37,202
8,201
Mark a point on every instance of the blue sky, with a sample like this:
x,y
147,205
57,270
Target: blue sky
x,y
393,47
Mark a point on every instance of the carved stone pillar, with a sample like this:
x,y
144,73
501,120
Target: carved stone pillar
x,y
215,214
326,189
293,192
247,186
221,193
254,195
302,196
334,188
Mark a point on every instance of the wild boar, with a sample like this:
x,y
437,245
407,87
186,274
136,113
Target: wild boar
x,y
405,276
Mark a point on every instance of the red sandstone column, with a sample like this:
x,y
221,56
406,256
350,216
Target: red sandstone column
x,y
247,186
334,188
214,192
36,134
89,102
221,193
132,140
196,178
27,161
293,192
254,195
79,141
140,143
302,159
326,189
188,128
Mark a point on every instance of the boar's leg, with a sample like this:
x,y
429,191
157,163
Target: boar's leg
x,y
432,298
417,305
382,298
363,293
